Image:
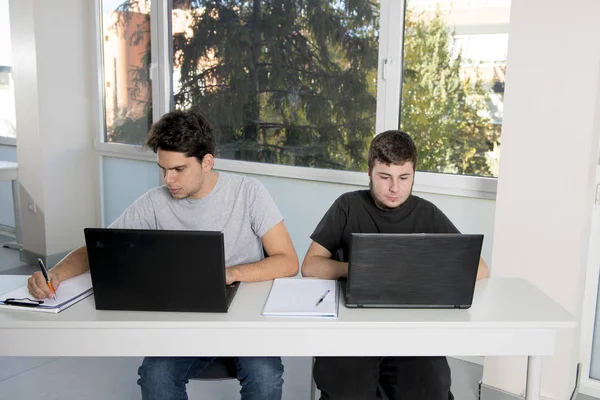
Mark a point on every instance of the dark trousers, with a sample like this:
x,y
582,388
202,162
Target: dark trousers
x,y
401,378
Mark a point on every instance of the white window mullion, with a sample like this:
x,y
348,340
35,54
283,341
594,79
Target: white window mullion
x,y
160,68
99,134
389,73
164,57
160,65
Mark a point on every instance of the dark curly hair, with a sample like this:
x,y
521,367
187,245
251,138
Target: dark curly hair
x,y
392,147
184,132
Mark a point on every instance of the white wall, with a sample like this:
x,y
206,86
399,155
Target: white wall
x,y
549,151
26,103
120,190
53,59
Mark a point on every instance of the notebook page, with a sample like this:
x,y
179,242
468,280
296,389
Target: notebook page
x,y
70,290
299,297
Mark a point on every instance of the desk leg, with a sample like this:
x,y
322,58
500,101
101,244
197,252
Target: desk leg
x,y
16,207
534,377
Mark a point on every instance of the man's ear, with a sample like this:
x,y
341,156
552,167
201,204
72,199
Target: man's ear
x,y
208,162
369,172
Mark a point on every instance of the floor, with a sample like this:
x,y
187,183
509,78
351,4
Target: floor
x,y
91,378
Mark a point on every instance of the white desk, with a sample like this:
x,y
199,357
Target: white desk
x,y
508,317
9,172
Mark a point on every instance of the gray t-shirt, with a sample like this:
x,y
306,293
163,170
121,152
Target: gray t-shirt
x,y
238,206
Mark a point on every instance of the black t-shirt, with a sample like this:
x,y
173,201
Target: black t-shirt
x,y
356,212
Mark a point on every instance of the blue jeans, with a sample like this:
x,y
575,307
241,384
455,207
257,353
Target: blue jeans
x,y
164,378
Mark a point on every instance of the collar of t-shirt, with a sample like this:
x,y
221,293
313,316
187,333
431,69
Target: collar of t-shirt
x,y
394,215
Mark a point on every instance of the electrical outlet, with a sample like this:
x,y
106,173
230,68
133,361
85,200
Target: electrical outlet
x,y
32,207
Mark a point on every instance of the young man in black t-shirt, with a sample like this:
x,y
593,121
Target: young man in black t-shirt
x,y
388,207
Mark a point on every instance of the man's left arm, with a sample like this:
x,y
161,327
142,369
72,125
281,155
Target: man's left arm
x,y
483,271
282,259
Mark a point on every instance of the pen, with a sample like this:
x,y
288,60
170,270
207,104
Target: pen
x,y
322,298
43,268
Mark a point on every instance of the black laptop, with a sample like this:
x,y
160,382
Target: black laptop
x,y
412,270
158,270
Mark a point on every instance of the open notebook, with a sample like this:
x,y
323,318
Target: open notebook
x,y
300,297
68,293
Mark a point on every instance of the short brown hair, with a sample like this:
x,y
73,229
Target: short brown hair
x,y
185,132
392,147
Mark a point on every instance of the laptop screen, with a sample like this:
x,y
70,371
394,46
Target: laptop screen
x,y
157,270
413,270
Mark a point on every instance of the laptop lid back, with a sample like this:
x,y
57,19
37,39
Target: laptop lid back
x,y
157,270
413,270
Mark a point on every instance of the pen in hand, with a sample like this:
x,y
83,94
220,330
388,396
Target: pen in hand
x,y
45,273
322,298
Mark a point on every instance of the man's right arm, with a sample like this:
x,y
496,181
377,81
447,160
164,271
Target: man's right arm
x,y
139,215
75,263
318,264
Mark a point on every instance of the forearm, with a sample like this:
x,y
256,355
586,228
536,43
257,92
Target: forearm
x,y
324,268
75,263
275,266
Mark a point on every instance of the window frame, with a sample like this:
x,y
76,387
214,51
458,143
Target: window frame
x,y
8,141
387,109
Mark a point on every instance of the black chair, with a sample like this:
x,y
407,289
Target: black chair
x,y
220,369
313,387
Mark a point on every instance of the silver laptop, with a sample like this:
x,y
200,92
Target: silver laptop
x,y
412,270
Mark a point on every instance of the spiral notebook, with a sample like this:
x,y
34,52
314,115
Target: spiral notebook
x,y
302,297
68,293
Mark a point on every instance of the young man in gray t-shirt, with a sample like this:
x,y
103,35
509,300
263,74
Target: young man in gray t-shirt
x,y
195,197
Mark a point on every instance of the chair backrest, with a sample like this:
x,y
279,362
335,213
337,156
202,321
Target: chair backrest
x,y
221,368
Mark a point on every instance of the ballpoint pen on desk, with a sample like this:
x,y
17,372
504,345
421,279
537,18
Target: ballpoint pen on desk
x,y
45,272
322,298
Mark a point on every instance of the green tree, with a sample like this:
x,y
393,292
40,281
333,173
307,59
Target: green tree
x,y
440,109
283,81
